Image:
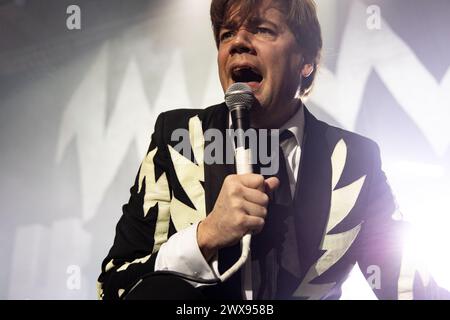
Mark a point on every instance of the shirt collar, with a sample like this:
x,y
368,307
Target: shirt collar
x,y
296,125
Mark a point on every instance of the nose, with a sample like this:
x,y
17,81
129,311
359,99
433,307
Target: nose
x,y
242,42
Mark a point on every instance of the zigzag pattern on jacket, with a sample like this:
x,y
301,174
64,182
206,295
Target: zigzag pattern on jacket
x,y
334,245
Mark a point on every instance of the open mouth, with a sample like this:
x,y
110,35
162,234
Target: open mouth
x,y
247,75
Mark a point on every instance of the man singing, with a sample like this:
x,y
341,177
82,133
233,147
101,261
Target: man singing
x,y
328,208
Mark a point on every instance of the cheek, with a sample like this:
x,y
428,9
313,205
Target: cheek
x,y
280,62
222,61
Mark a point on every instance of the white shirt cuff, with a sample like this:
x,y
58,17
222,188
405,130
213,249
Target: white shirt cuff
x,y
182,254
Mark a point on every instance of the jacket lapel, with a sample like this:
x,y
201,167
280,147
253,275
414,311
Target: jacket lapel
x,y
216,173
322,204
312,201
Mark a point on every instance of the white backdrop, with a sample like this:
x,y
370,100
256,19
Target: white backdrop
x,y
77,108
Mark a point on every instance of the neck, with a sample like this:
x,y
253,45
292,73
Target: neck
x,y
269,119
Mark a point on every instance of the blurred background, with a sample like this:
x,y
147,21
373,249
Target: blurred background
x,y
79,97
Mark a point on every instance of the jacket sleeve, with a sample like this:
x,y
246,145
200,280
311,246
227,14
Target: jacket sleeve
x,y
391,271
144,224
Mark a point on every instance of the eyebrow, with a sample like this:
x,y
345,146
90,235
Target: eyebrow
x,y
252,21
229,25
259,20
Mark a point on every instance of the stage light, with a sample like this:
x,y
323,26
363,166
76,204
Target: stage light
x,y
422,192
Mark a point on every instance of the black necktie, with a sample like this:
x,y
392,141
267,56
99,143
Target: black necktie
x,y
282,195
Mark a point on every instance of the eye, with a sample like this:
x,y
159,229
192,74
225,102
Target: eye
x,y
267,31
225,35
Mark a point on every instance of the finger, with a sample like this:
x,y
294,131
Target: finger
x,y
255,210
271,184
255,196
253,181
254,224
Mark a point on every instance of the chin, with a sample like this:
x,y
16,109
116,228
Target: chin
x,y
259,115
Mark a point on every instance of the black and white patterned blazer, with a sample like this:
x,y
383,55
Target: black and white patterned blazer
x,y
347,212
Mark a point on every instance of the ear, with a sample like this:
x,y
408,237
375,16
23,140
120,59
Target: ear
x,y
307,70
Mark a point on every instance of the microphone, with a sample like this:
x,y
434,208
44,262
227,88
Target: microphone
x,y
239,99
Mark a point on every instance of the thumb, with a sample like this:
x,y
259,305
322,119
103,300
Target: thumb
x,y
271,184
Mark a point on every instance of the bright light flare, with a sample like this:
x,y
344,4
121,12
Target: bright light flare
x,y
423,195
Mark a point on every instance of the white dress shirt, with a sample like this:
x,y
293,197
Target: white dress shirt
x,y
181,252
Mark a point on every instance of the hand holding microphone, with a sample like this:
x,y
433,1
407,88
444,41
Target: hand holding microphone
x,y
241,206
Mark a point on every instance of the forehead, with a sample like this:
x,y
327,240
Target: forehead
x,y
246,10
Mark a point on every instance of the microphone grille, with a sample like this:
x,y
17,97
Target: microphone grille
x,y
239,94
